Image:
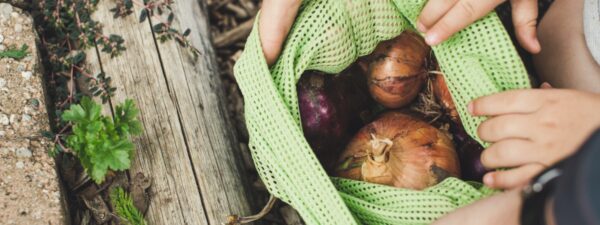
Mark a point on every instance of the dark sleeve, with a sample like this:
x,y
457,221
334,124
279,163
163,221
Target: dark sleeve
x,y
577,191
571,187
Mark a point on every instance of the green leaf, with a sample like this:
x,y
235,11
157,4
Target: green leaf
x,y
11,52
98,173
126,117
78,58
92,109
74,114
123,205
187,32
129,4
159,28
170,18
143,15
48,134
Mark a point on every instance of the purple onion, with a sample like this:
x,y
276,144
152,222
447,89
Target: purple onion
x,y
469,153
330,107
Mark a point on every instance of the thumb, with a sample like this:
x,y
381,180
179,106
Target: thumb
x,y
524,14
274,24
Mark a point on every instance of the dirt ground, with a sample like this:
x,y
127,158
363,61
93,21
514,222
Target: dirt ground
x,y
29,187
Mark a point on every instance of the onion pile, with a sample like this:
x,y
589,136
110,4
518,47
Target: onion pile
x,y
403,146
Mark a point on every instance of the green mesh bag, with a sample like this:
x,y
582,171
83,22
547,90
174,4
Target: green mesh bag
x,y
328,36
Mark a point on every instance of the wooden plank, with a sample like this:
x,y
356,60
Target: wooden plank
x,y
200,101
189,146
162,152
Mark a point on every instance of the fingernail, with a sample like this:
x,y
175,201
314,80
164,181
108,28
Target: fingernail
x,y
431,39
488,179
545,85
420,27
470,108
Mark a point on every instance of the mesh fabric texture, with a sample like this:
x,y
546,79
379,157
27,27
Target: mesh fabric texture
x,y
328,36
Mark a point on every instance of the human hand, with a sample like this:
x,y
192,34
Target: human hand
x,y
442,18
532,129
500,209
274,24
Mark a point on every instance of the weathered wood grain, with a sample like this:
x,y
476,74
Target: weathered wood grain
x,y
161,150
188,147
200,102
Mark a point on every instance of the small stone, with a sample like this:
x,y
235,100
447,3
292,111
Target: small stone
x,y
23,153
34,102
20,68
2,47
12,118
5,10
18,28
37,215
27,75
28,58
14,15
26,117
20,165
2,82
27,110
4,119
4,151
1,38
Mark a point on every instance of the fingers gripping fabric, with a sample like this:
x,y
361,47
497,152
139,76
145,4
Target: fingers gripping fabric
x,y
328,36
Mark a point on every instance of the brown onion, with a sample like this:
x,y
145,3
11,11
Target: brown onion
x,y
399,150
444,98
397,69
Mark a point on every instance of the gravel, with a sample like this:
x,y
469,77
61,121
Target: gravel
x,y
29,186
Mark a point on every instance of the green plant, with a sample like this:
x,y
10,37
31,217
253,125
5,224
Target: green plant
x,y
67,29
154,9
124,208
15,53
102,143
